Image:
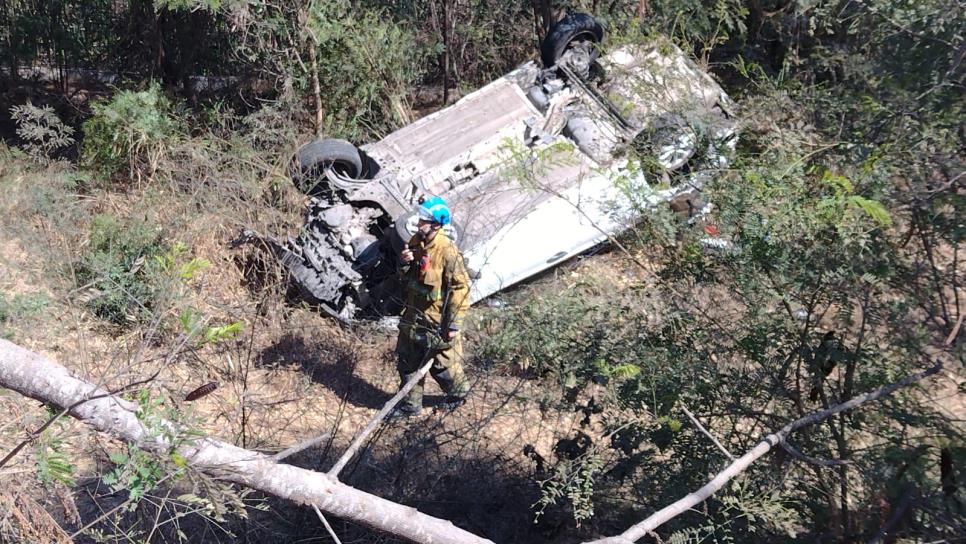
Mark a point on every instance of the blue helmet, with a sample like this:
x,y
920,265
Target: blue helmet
x,y
434,208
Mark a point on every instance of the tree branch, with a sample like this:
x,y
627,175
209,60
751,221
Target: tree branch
x,y
813,460
377,419
706,433
327,526
301,446
952,334
693,499
50,421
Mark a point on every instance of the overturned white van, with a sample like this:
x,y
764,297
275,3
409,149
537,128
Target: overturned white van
x,y
538,166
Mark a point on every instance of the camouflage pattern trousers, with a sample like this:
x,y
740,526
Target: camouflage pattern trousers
x,y
414,349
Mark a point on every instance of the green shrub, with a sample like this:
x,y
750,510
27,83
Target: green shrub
x,y
130,273
132,128
21,305
117,269
588,333
368,64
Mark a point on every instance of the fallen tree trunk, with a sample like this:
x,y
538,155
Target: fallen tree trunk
x,y
37,377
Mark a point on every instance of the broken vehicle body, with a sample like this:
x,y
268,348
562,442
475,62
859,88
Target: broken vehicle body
x,y
537,166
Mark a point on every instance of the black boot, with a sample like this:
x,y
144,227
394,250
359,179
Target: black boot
x,y
403,412
451,402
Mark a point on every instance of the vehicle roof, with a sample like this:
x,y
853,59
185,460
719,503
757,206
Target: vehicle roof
x,y
525,207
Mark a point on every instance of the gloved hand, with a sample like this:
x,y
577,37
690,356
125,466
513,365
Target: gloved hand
x,y
406,255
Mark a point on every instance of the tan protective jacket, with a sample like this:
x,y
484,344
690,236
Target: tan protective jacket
x,y
436,284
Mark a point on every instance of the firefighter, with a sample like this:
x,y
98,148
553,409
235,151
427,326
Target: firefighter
x,y
437,293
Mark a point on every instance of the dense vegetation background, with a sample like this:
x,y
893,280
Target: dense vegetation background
x,y
139,137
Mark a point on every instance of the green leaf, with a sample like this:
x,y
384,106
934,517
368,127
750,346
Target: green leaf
x,y
626,370
216,334
178,459
188,269
840,184
118,458
873,209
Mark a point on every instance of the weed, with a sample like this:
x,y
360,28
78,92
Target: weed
x,y
573,482
130,273
53,465
580,334
41,131
19,306
194,325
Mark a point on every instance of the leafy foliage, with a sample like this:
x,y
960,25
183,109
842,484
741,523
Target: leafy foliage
x,y
53,463
811,299
362,62
130,273
21,305
195,326
573,482
133,128
42,132
839,222
139,471
114,267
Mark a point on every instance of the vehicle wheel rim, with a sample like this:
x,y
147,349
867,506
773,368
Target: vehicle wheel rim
x,y
675,149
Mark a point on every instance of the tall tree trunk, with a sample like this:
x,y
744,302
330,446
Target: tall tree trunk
x,y
537,25
316,86
6,21
641,10
157,38
444,59
306,40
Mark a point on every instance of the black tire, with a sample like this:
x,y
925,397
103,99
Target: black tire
x,y
314,157
575,27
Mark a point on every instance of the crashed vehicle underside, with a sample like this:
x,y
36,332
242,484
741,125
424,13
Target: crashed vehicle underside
x,y
537,166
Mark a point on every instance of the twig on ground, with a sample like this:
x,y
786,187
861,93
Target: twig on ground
x,y
706,433
327,526
304,445
377,419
